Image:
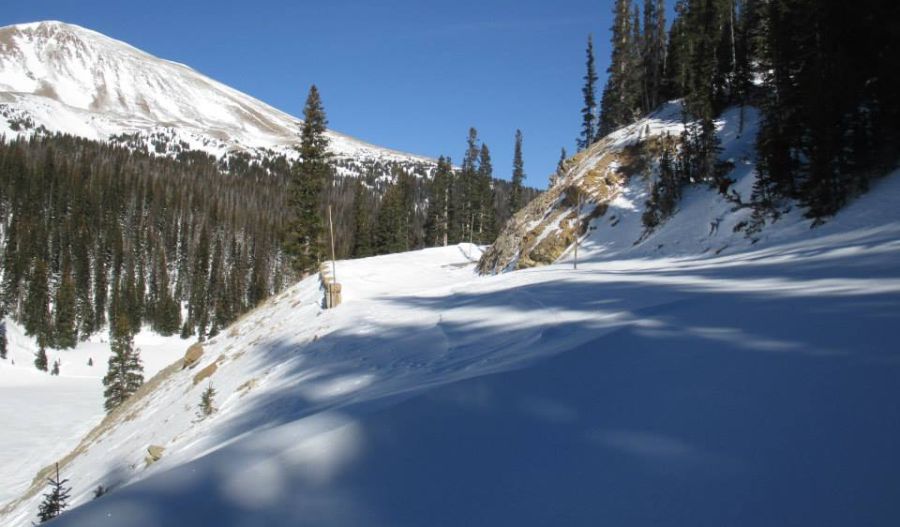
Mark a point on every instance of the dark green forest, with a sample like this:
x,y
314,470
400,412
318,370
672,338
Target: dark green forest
x,y
823,74
186,243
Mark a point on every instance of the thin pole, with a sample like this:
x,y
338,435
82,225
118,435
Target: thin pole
x,y
331,230
577,229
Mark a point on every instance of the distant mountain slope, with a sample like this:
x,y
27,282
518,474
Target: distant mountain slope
x,y
69,79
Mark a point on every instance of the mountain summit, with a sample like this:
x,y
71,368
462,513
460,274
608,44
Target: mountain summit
x,y
69,79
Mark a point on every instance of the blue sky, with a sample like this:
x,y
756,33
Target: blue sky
x,y
412,75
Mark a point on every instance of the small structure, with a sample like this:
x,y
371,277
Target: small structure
x,y
332,288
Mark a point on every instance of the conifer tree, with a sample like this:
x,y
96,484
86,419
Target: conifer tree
x,y
483,199
362,222
13,269
560,167
463,191
589,93
392,231
198,307
37,310
653,59
621,92
439,206
55,501
2,334
125,372
65,329
305,242
40,358
207,401
518,176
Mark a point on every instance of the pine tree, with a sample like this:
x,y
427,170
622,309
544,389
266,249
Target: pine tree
x,y
560,167
653,53
518,176
125,373
40,358
392,230
436,226
37,310
198,307
304,243
362,222
84,309
2,335
621,95
65,328
207,400
483,199
462,214
55,501
589,94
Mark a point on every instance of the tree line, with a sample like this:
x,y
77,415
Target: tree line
x,y
822,75
427,207
92,232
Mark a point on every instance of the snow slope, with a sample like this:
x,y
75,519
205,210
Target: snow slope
x,y
43,416
754,387
73,80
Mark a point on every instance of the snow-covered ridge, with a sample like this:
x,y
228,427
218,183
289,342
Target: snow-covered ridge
x,y
69,79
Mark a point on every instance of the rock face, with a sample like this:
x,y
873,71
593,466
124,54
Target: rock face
x,y
154,454
192,355
205,373
547,227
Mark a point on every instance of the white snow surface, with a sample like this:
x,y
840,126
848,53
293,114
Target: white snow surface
x,y
44,416
660,383
73,80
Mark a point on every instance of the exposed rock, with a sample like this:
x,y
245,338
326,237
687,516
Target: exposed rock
x,y
205,373
543,231
192,355
154,453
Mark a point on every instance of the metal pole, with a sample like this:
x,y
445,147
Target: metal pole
x,y
331,230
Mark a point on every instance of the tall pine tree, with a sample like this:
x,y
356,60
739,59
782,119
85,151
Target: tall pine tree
x,y
518,176
304,242
439,207
125,373
589,94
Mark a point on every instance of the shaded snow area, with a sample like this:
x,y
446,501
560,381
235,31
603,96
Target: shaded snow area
x,y
652,386
44,416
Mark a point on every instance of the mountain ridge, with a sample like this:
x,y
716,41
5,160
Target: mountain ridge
x,y
71,79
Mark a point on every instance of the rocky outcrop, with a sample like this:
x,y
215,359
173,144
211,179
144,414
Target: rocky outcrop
x,y
192,355
545,229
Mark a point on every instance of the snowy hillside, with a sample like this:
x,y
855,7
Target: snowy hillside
x,y
69,79
43,415
657,384
614,175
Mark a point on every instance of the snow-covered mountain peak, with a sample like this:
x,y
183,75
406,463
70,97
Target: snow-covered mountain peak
x,y
74,80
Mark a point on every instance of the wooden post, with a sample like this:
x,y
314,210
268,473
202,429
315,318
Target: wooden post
x,y
577,227
331,230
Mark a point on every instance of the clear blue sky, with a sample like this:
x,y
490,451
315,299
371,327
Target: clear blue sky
x,y
412,75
